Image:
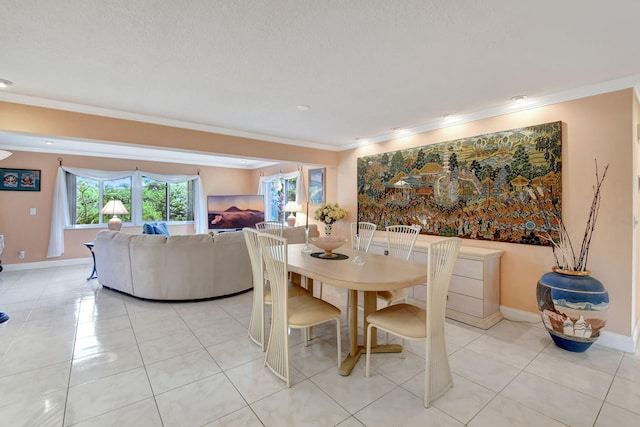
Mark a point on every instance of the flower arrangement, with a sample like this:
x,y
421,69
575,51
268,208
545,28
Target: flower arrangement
x,y
329,213
563,250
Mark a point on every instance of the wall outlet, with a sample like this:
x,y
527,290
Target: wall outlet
x,y
21,254
32,211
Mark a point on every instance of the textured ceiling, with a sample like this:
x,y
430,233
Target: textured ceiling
x,y
364,67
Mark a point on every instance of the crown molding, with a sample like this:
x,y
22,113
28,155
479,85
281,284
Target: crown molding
x,y
126,115
632,81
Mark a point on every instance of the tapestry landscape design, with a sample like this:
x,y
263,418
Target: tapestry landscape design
x,y
503,186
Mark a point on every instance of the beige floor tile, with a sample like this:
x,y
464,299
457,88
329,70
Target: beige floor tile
x,y
291,407
200,402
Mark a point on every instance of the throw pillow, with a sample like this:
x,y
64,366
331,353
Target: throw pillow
x,y
161,228
147,228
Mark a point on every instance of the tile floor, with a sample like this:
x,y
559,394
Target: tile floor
x,y
75,354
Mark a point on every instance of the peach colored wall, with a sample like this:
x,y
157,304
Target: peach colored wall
x,y
31,233
597,127
46,121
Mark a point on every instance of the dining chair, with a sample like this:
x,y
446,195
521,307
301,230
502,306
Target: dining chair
x,y
273,227
411,322
367,229
400,242
261,288
299,312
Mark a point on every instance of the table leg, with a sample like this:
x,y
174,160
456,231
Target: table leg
x,y
370,306
353,322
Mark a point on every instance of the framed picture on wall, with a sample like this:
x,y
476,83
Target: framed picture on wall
x,y
20,179
316,186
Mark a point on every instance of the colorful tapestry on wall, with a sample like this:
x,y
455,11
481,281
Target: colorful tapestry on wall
x,y
503,186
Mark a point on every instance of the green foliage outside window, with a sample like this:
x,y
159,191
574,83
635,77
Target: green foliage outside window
x,y
154,200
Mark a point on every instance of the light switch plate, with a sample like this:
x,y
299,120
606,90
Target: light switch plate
x,y
32,211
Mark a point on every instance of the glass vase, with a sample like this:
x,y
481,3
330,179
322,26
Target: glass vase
x,y
328,229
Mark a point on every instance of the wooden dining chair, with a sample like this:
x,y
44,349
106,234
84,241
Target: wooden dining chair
x,y
299,312
400,242
273,227
411,322
367,229
261,289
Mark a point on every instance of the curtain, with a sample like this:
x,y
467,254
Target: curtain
x,y
60,218
263,186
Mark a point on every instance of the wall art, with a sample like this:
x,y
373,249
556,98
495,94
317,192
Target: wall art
x,y
20,179
503,186
316,186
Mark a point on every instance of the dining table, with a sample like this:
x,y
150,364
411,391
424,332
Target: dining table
x,y
373,273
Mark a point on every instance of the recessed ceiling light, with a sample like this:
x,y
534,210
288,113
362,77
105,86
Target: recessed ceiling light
x,y
48,142
449,118
303,107
395,130
518,98
5,83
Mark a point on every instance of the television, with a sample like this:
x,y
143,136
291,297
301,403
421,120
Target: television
x,y
235,212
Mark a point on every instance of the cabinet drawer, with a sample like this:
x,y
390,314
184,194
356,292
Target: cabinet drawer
x,y
464,304
468,268
466,286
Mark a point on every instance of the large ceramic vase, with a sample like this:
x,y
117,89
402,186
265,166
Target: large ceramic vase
x,y
573,306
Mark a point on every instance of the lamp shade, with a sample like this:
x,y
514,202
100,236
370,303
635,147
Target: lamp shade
x,y
4,154
291,207
115,208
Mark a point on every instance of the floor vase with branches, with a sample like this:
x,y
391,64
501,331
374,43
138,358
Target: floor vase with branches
x,y
573,304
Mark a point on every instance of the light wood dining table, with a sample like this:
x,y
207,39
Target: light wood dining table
x,y
378,273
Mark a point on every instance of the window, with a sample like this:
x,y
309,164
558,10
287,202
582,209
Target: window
x,y
88,196
167,202
279,192
158,200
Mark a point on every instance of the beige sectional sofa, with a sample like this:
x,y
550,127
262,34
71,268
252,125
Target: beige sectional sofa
x,y
186,267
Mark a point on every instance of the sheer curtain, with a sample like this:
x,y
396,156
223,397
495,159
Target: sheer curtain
x,y
60,218
265,181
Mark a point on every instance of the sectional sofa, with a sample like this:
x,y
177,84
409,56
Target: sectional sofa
x,y
184,267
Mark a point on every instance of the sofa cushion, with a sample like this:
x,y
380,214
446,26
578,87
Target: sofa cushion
x,y
156,228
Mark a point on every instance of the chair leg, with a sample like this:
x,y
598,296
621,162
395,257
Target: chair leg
x,y
339,341
368,349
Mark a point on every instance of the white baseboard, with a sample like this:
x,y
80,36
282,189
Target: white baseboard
x,y
607,339
47,264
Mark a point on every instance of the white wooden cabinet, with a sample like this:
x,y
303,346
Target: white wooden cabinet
x,y
474,291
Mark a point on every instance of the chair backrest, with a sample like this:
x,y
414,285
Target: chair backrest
x,y
274,254
272,227
366,235
442,258
256,323
401,239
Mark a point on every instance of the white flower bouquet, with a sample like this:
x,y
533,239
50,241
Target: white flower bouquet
x,y
329,213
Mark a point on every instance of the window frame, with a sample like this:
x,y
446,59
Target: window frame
x,y
136,201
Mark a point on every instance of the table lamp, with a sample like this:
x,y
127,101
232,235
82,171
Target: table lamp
x,y
115,208
291,207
